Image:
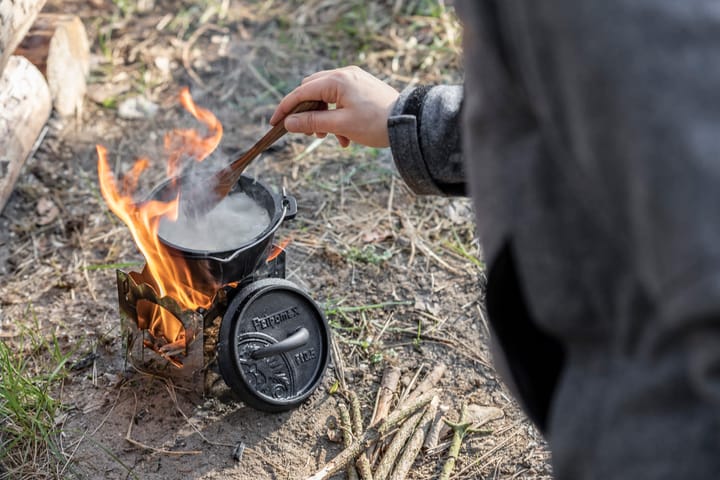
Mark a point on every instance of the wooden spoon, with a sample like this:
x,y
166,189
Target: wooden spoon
x,y
196,200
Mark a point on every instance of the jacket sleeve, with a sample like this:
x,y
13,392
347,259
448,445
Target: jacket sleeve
x,y
425,139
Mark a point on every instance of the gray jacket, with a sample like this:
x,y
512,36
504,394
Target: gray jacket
x,y
591,140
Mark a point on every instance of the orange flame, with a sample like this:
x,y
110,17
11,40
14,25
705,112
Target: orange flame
x,y
181,143
171,275
278,249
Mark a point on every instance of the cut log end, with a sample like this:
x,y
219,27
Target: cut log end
x,y
16,17
24,109
58,45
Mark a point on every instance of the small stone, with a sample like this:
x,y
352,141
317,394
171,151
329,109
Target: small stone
x,y
135,108
163,64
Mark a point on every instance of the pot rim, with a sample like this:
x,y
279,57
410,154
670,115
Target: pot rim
x,y
230,254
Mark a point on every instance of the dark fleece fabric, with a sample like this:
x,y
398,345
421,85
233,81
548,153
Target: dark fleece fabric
x,y
591,139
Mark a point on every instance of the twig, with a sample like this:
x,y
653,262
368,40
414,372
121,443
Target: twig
x,y
429,382
346,427
477,416
418,241
91,289
363,467
338,362
460,429
499,446
386,392
391,453
313,145
69,458
415,443
384,327
362,462
391,196
433,435
410,386
371,435
388,387
356,414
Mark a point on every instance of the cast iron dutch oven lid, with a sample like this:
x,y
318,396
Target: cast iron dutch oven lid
x,y
273,345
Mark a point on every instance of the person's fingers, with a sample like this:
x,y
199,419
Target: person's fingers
x,y
344,141
322,121
316,75
320,134
319,89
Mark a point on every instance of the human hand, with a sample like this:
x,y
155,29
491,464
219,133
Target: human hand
x,y
362,106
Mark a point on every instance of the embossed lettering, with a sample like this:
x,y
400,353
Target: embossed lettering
x,y
304,356
268,321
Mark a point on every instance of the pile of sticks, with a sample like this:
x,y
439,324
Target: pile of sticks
x,y
400,428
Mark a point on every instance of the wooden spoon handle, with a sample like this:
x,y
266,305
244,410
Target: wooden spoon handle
x,y
227,177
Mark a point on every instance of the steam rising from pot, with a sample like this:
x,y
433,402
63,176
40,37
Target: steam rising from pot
x,y
236,220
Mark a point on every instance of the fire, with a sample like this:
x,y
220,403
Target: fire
x,y
171,275
277,249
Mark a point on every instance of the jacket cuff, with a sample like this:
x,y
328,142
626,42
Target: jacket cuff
x,y
423,128
408,157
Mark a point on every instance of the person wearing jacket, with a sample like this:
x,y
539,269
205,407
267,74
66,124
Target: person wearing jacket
x,y
588,136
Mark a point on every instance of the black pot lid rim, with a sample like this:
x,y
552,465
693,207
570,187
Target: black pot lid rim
x,y
230,334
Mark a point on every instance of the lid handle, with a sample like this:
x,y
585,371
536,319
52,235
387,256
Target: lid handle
x,y
297,339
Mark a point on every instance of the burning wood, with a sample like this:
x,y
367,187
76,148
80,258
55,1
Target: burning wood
x,y
171,327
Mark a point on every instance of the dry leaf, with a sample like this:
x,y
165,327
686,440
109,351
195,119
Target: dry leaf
x,y
376,236
480,415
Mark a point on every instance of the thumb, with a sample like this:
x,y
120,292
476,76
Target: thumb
x,y
315,121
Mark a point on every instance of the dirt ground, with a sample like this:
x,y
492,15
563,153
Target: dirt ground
x,y
408,266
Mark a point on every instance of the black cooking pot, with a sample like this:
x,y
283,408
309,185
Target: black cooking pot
x,y
211,269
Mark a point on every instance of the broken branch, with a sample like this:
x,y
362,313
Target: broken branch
x,y
413,446
388,386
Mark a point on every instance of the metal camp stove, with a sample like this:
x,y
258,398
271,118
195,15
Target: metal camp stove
x,y
261,334
263,339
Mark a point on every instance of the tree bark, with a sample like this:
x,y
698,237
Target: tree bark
x,y
16,17
58,45
25,107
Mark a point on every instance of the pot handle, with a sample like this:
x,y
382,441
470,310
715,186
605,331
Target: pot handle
x,y
232,257
296,340
290,205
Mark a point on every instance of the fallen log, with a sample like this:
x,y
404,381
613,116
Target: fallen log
x,y
25,107
16,17
58,46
